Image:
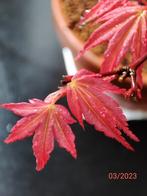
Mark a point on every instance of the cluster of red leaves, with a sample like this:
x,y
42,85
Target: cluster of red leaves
x,y
123,25
87,99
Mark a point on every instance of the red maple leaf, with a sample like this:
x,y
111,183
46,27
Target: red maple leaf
x,y
125,30
47,121
101,8
87,98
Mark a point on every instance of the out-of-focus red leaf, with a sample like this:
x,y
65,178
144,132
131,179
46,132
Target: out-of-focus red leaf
x,y
125,30
143,2
47,121
87,98
101,8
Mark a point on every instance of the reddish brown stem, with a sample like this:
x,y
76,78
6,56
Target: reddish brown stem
x,y
134,91
66,79
142,2
139,62
129,71
125,69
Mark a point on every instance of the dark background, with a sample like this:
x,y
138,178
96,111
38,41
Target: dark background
x,y
31,65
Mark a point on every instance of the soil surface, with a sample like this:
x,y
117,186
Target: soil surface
x,y
73,10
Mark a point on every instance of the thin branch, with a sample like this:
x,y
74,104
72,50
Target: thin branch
x,y
139,62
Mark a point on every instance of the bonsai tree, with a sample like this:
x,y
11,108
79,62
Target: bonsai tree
x,y
122,24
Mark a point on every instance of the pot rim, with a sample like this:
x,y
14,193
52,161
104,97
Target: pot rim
x,y
70,36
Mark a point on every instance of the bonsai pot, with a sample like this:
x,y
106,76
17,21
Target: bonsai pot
x,y
68,39
91,61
